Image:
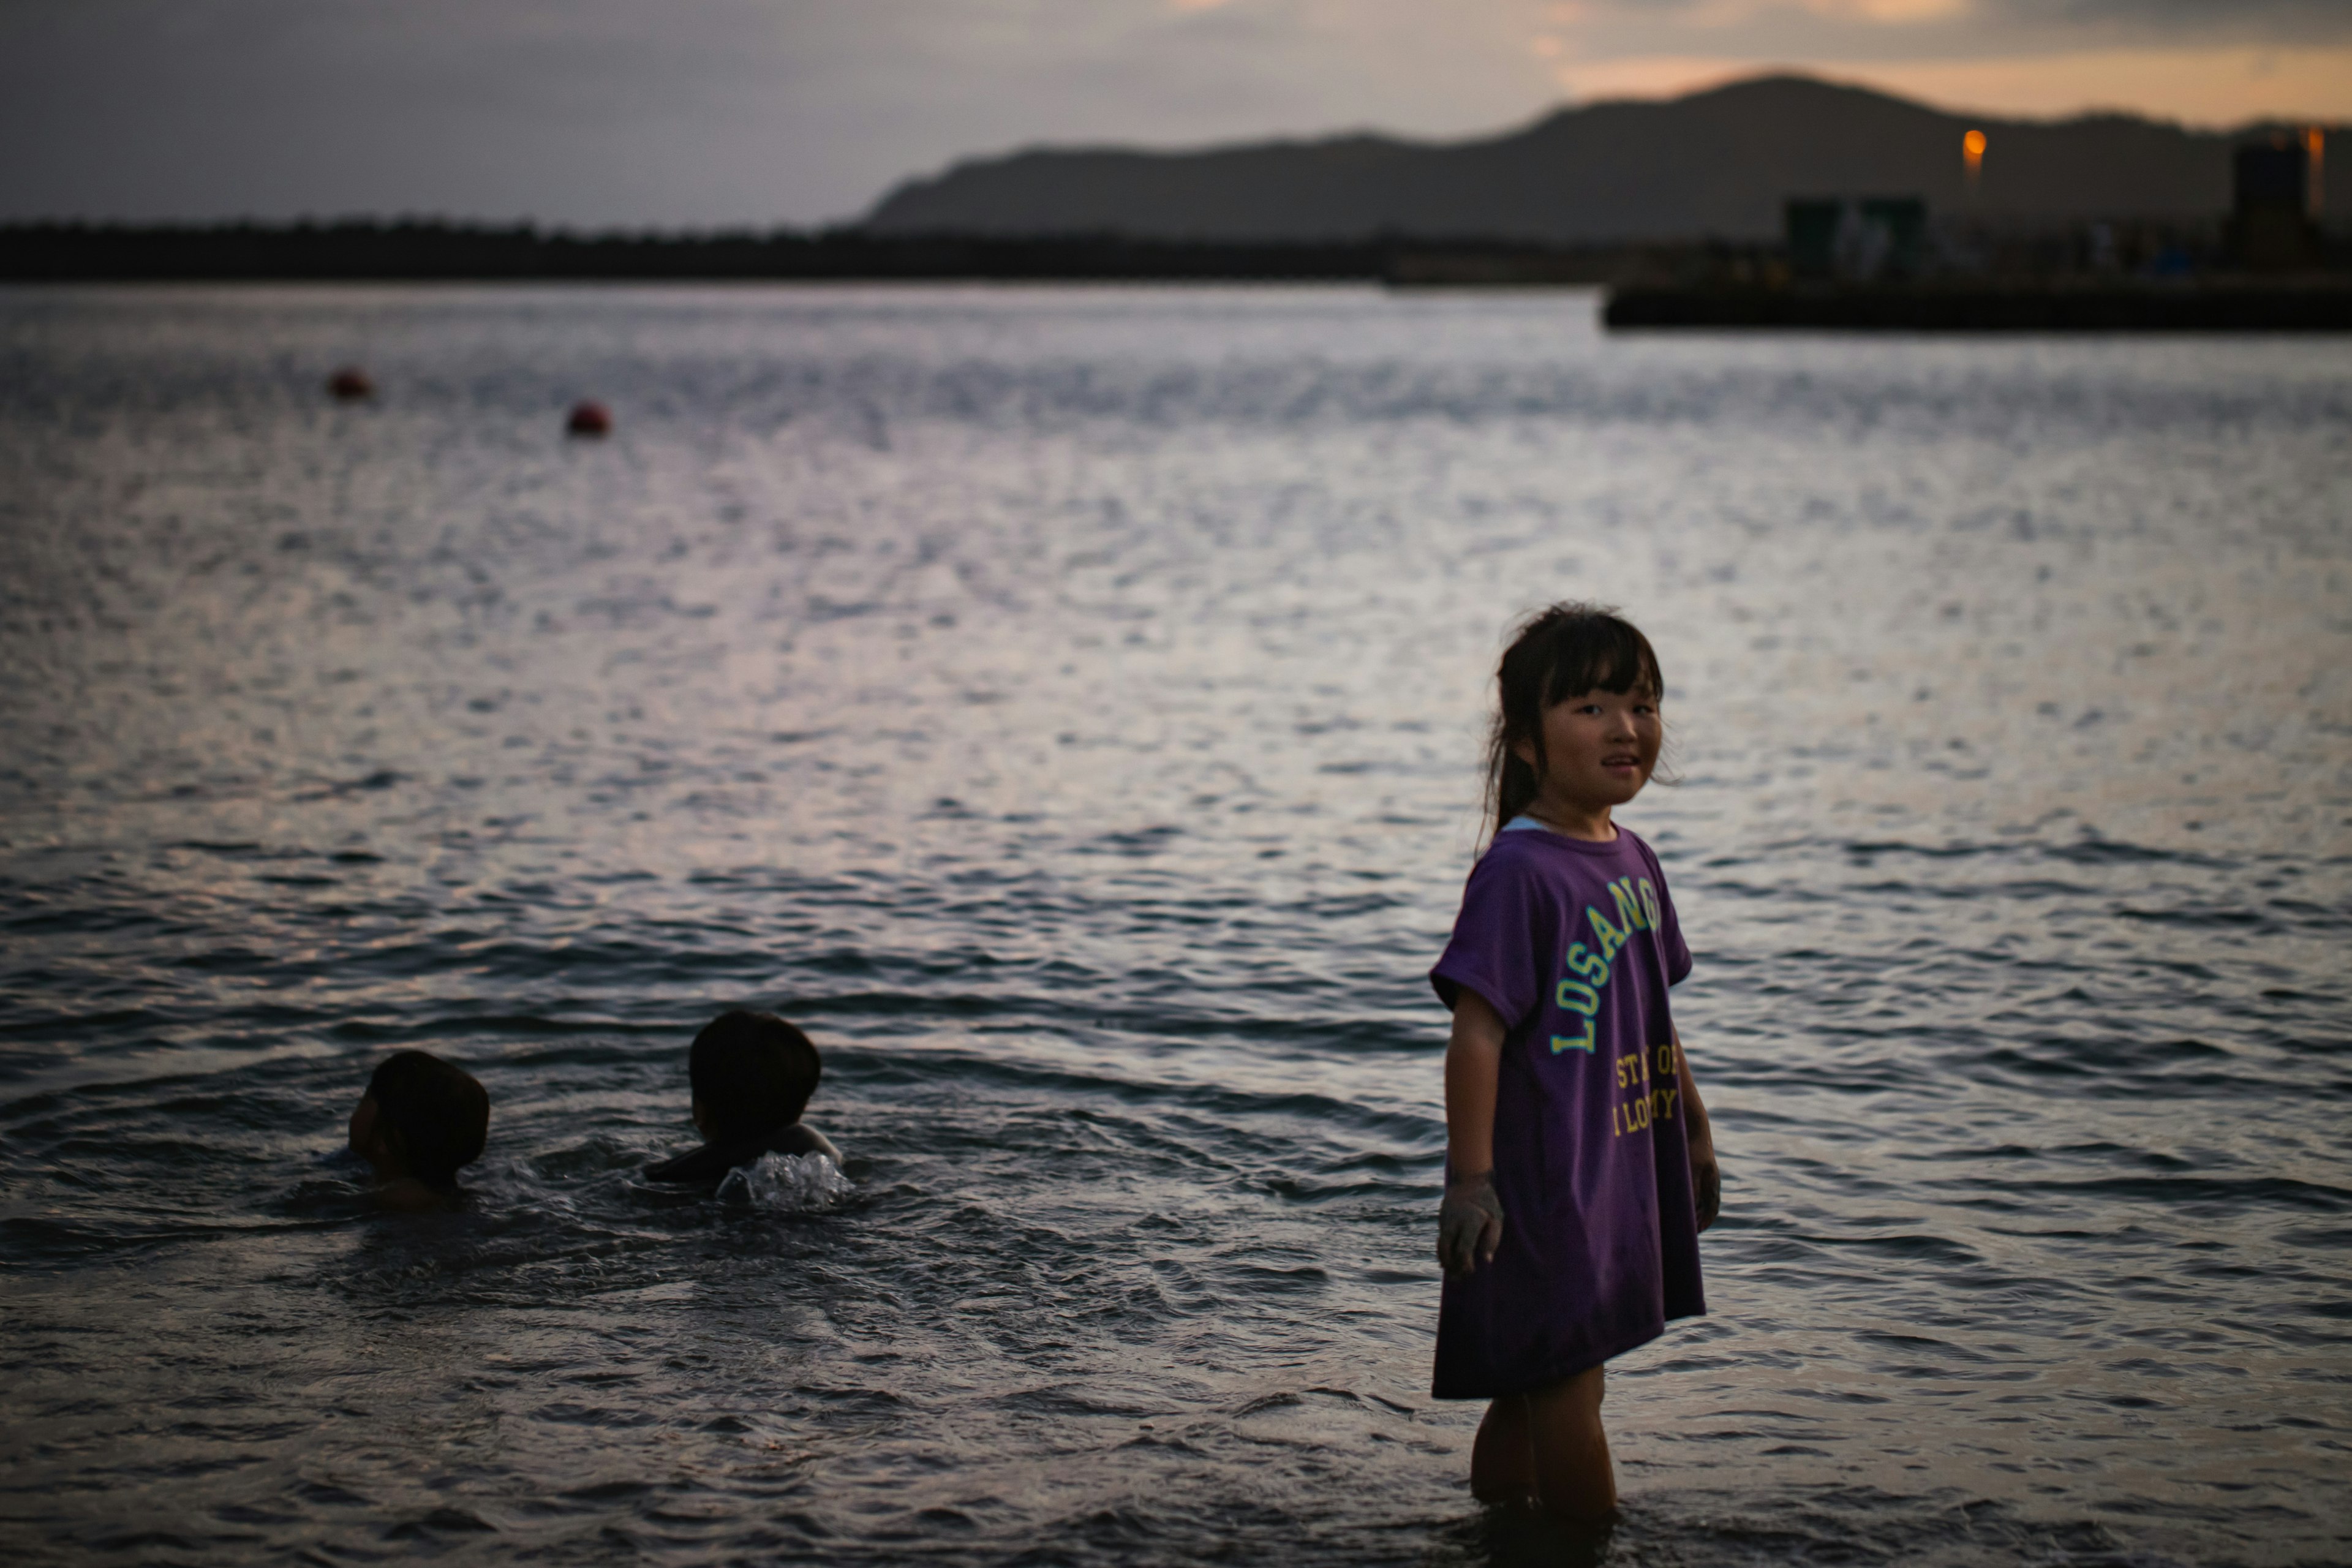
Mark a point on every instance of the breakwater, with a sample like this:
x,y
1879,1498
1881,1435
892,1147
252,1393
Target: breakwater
x,y
1963,306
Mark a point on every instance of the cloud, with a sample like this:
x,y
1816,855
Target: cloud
x,y
1959,28
2180,21
595,112
2218,88
2203,62
677,113
2222,87
1898,12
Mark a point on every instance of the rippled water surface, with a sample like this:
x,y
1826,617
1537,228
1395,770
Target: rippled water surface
x,y
1065,704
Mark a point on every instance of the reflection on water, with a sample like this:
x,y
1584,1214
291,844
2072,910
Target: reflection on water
x,y
1065,704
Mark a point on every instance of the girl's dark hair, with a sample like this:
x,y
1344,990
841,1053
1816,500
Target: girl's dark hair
x,y
1559,653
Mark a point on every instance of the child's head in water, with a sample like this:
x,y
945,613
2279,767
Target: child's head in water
x,y
1577,728
420,1122
751,1073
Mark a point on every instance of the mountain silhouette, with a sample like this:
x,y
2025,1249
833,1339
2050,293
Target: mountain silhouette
x,y
1717,163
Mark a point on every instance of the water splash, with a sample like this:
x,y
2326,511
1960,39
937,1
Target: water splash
x,y
787,1183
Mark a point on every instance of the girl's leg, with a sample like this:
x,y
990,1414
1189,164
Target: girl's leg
x,y
1567,1452
1502,1465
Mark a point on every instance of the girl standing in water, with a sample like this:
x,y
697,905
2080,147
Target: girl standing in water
x,y
1578,1165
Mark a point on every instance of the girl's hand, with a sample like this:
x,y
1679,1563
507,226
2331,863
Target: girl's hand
x,y
1469,1224
1707,1176
1706,1179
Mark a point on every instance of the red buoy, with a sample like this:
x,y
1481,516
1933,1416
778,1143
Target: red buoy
x,y
589,417
350,385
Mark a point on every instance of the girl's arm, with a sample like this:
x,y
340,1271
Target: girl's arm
x,y
1470,1221
1707,1176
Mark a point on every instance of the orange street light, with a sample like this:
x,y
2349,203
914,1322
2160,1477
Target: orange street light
x,y
1972,146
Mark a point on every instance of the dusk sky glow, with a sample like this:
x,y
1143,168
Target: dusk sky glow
x,y
706,113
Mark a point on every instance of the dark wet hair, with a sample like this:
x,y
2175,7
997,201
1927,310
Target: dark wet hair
x,y
1557,653
438,1111
754,1073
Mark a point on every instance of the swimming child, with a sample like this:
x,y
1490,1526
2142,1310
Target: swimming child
x,y
1580,1168
420,1122
752,1074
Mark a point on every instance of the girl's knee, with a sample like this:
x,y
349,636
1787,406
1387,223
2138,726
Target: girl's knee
x,y
1581,1394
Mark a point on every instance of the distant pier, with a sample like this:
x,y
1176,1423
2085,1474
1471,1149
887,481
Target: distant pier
x,y
2203,305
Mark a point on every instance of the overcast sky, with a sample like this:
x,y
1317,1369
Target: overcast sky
x,y
701,112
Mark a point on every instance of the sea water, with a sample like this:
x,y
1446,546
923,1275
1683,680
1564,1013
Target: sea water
x,y
1067,705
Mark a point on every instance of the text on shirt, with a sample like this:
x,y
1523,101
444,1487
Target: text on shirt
x,y
1589,967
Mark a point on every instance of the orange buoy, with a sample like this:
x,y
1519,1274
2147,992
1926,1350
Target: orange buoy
x,y
350,385
589,417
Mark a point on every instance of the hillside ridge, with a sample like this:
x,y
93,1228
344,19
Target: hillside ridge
x,y
1714,163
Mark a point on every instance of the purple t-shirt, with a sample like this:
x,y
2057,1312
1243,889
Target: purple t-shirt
x,y
1573,944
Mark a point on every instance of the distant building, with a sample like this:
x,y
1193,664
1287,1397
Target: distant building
x,y
1865,239
2270,221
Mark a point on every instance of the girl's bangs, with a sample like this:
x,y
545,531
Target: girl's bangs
x,y
1604,654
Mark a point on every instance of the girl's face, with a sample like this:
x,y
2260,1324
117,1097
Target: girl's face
x,y
1599,749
